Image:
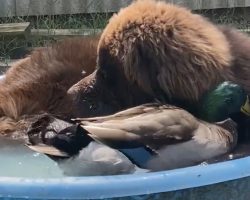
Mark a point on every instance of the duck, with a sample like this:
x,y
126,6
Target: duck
x,y
145,138
227,100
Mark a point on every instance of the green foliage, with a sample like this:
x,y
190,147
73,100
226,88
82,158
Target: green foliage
x,y
10,47
93,21
237,17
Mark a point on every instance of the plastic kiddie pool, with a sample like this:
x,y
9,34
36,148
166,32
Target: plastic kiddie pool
x,y
224,180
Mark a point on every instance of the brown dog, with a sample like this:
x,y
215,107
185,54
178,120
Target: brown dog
x,y
154,50
39,83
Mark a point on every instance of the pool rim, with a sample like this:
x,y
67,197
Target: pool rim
x,y
124,185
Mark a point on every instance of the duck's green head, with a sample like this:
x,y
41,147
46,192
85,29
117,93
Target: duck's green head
x,y
222,102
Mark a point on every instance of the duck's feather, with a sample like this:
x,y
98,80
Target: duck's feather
x,y
154,127
98,159
94,159
49,150
128,113
166,137
114,138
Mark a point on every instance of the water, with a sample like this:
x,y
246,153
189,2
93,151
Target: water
x,y
242,150
17,160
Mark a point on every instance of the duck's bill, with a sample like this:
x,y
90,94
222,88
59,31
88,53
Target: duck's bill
x,y
52,151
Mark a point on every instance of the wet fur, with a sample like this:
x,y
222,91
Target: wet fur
x,y
39,82
154,50
165,50
240,49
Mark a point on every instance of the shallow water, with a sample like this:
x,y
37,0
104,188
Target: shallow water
x,y
242,150
17,160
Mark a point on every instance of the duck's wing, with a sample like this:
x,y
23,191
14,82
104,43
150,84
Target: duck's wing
x,y
128,113
144,138
158,126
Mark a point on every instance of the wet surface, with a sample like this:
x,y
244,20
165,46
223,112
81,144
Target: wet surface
x,y
241,150
18,161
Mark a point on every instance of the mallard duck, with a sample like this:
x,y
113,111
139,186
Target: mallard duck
x,y
151,136
226,100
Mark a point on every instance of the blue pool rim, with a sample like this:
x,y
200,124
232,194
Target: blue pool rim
x,y
124,185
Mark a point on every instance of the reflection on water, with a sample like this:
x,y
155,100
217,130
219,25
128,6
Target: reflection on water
x,y
242,150
18,161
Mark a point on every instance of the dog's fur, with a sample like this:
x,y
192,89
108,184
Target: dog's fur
x,y
154,50
163,46
240,50
39,82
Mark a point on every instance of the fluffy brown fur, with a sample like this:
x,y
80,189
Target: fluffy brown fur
x,y
160,45
154,50
240,49
39,83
